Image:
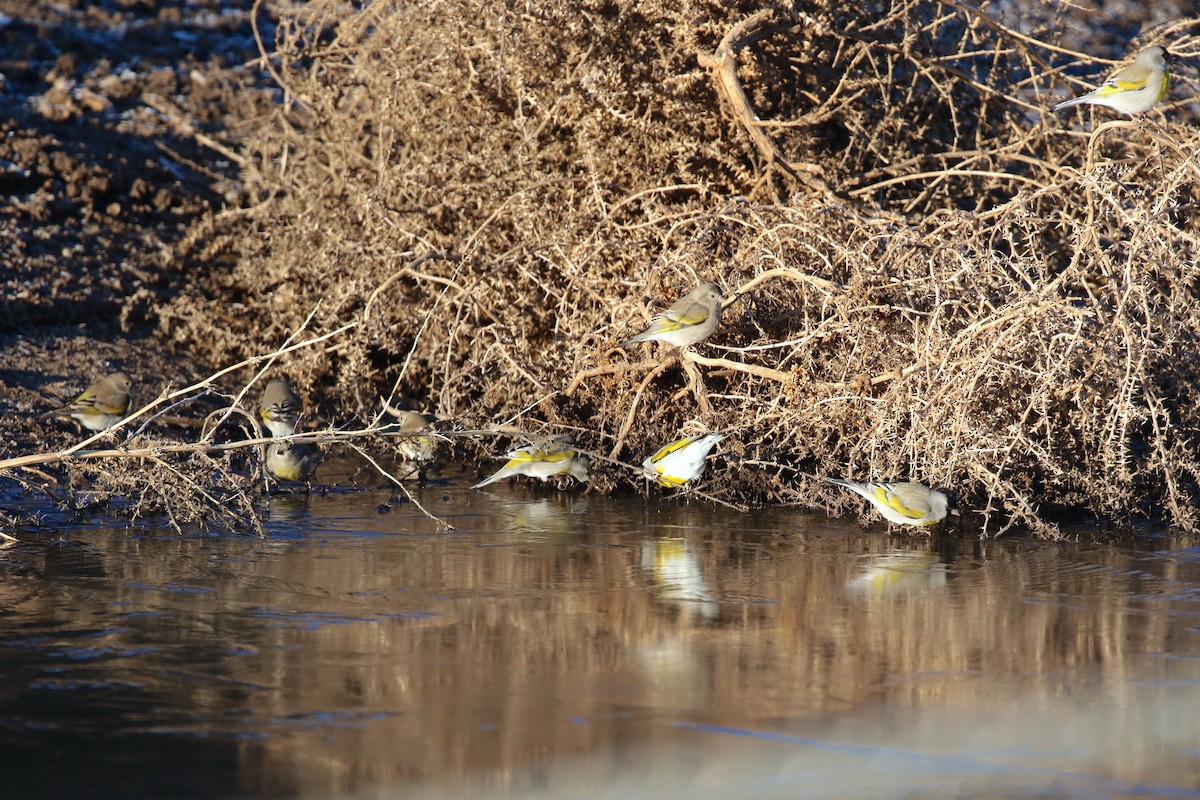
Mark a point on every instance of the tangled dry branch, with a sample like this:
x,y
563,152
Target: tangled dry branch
x,y
940,280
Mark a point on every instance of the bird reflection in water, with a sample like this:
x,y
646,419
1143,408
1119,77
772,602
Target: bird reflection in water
x,y
674,567
901,573
557,515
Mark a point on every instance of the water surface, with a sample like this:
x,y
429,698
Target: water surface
x,y
565,645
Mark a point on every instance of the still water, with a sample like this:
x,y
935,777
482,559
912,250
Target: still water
x,y
560,645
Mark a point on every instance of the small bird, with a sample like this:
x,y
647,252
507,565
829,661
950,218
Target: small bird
x,y
904,503
558,459
692,319
416,447
1134,89
411,443
279,407
101,405
680,461
292,462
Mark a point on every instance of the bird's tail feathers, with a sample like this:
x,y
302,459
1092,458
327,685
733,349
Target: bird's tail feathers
x,y
1065,104
497,475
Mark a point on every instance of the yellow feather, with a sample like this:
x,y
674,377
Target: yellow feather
x,y
671,448
882,494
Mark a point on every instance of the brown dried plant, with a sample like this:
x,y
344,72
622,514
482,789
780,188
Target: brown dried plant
x,y
942,281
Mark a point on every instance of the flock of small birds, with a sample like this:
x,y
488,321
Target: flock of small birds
x,y
690,320
693,318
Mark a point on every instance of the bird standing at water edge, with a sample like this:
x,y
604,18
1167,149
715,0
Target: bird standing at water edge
x,y
680,461
101,405
415,443
557,459
292,462
692,319
1134,89
412,444
904,503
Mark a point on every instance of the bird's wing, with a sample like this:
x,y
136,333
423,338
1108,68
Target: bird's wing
x,y
554,458
1130,79
692,314
85,400
661,323
910,502
529,454
678,444
107,408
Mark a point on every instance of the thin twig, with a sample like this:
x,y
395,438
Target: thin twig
x,y
625,426
441,522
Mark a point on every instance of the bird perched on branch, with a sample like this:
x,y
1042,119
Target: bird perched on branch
x,y
680,461
279,407
904,503
557,458
101,405
1134,89
292,462
692,319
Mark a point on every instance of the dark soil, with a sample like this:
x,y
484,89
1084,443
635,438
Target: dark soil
x,y
101,182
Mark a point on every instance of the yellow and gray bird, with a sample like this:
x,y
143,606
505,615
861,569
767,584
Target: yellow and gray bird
x,y
558,458
680,461
904,503
1134,89
101,405
415,442
692,319
279,407
292,462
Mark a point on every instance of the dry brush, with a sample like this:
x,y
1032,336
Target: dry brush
x,y
942,280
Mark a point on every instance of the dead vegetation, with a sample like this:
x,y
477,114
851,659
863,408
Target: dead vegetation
x,y
942,281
